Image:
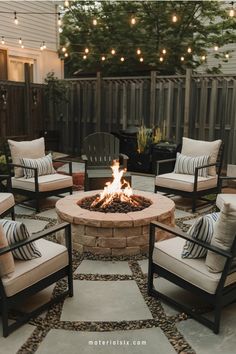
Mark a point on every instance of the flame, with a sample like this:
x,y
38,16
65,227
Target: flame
x,y
118,188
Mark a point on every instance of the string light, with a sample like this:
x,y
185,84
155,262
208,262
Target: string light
x,y
60,30
64,49
95,22
20,41
15,19
59,19
182,58
161,59
44,45
138,51
103,58
86,50
41,46
203,57
3,40
133,21
141,59
164,51
66,55
22,46
174,18
122,59
113,52
189,50
216,48
231,11
84,57
66,3
227,55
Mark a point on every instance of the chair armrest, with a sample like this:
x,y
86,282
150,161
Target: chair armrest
x,y
125,157
160,162
65,161
177,232
22,166
84,157
225,178
35,237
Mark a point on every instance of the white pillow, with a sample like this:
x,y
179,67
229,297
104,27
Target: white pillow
x,y
202,230
194,148
224,233
186,164
43,165
29,149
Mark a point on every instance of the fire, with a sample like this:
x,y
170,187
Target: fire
x,y
119,188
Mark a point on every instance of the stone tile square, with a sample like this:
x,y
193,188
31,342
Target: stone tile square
x,y
142,341
105,301
15,340
33,225
23,210
104,267
206,342
51,213
144,265
181,214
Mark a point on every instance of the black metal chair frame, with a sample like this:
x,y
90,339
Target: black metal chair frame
x,y
195,194
222,296
37,195
102,160
6,303
12,209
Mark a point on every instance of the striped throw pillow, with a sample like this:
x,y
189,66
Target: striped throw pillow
x,y
16,231
187,164
202,230
44,166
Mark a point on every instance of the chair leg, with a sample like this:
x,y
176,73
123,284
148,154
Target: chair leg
x,y
217,314
194,202
150,281
4,312
13,214
37,204
70,284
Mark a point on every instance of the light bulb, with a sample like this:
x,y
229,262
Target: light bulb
x,y
113,51
66,3
133,21
60,30
15,19
231,12
161,59
189,50
44,45
64,49
122,59
86,50
22,46
84,57
3,40
141,59
164,51
138,51
95,22
227,55
182,58
66,55
20,41
216,48
203,57
103,58
174,18
41,47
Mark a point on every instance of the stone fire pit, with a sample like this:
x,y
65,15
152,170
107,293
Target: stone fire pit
x,y
114,233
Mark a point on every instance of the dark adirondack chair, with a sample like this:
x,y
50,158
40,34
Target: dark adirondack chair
x,y
100,149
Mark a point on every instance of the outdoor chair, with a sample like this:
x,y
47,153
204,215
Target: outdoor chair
x,y
196,171
215,289
100,149
29,277
7,201
226,197
32,172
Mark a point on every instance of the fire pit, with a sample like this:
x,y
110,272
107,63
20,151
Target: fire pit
x,y
114,221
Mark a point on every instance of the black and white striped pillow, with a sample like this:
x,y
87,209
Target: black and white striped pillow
x,y
187,164
202,230
16,231
44,166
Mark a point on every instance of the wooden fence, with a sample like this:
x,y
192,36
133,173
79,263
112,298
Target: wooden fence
x,y
201,107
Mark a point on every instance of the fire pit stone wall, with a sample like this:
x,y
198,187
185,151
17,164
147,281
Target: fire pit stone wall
x,y
114,233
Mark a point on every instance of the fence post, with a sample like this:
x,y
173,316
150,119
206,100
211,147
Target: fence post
x,y
28,126
152,98
98,102
188,82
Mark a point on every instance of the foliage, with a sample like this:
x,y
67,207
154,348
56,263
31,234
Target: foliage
x,y
200,25
55,89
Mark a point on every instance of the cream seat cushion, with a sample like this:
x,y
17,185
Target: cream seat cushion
x,y
46,182
6,201
167,254
54,257
225,198
194,148
33,149
185,182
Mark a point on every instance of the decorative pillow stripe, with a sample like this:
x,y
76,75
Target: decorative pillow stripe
x,y
44,166
187,164
16,231
202,230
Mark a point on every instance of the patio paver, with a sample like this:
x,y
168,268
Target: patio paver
x,y
104,267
